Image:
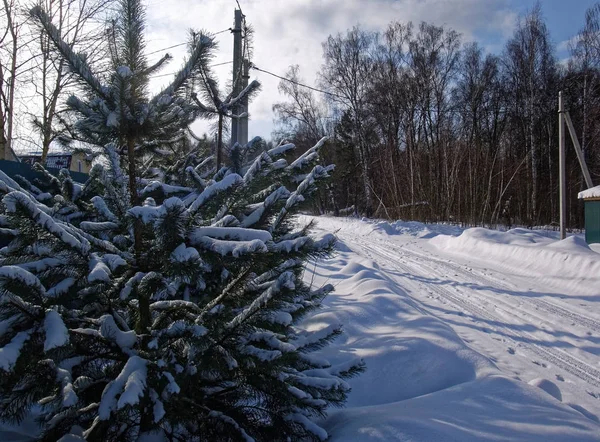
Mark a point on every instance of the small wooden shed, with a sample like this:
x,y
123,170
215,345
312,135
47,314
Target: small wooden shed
x,y
591,199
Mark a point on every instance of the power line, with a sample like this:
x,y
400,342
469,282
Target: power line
x,y
164,49
418,108
297,83
181,44
173,73
221,64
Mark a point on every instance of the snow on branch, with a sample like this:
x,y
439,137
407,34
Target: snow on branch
x,y
231,233
261,162
7,184
302,190
172,304
280,150
225,184
109,330
22,276
151,214
130,383
198,57
308,425
230,421
309,155
233,248
166,189
11,351
99,271
103,210
285,280
57,334
103,226
278,194
249,90
76,62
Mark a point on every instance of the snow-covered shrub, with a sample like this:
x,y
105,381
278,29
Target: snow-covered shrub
x,y
164,300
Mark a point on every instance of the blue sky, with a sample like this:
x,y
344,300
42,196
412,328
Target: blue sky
x,y
291,31
563,18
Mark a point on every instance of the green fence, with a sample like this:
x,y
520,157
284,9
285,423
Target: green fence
x,y
12,168
592,221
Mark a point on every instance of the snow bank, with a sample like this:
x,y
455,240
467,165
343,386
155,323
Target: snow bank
x,y
415,228
568,264
367,227
490,409
407,354
422,382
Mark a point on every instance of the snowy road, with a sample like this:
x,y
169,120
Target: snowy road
x,y
526,302
479,301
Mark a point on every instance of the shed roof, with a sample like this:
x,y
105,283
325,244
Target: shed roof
x,y
593,192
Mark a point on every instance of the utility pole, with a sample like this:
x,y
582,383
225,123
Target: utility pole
x,y
243,121
578,151
562,188
237,72
564,117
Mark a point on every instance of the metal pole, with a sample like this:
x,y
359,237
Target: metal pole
x,y
561,167
580,157
237,71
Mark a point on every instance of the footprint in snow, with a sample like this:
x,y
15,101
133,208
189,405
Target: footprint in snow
x,y
593,394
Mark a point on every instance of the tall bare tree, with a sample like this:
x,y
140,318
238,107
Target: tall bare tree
x,y
302,119
81,24
346,73
531,66
10,48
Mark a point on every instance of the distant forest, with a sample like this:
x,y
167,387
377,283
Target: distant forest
x,y
425,126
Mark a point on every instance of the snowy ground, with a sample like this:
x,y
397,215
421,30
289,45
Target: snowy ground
x,y
474,335
468,336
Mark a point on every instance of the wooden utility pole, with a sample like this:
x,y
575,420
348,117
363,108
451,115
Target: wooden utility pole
x,y
237,73
562,188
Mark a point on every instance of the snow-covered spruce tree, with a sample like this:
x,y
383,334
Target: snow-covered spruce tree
x,y
163,301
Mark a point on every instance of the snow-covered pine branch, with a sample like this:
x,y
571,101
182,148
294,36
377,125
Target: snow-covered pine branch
x,y
162,294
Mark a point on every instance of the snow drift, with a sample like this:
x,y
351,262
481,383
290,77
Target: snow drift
x,y
568,264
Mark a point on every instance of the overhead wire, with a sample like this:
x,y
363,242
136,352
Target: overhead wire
x,y
184,43
173,73
252,66
417,108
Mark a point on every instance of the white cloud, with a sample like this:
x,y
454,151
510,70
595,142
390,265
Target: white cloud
x,y
291,32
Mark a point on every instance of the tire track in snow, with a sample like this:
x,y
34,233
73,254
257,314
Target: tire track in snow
x,y
558,358
475,276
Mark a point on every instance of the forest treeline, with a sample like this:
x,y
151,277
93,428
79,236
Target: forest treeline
x,y
428,127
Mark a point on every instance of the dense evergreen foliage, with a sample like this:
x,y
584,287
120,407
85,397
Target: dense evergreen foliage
x,y
162,298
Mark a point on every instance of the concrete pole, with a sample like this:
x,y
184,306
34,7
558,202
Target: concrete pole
x,y
579,152
237,71
243,122
562,189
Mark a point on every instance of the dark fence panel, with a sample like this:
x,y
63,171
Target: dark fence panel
x,y
12,168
